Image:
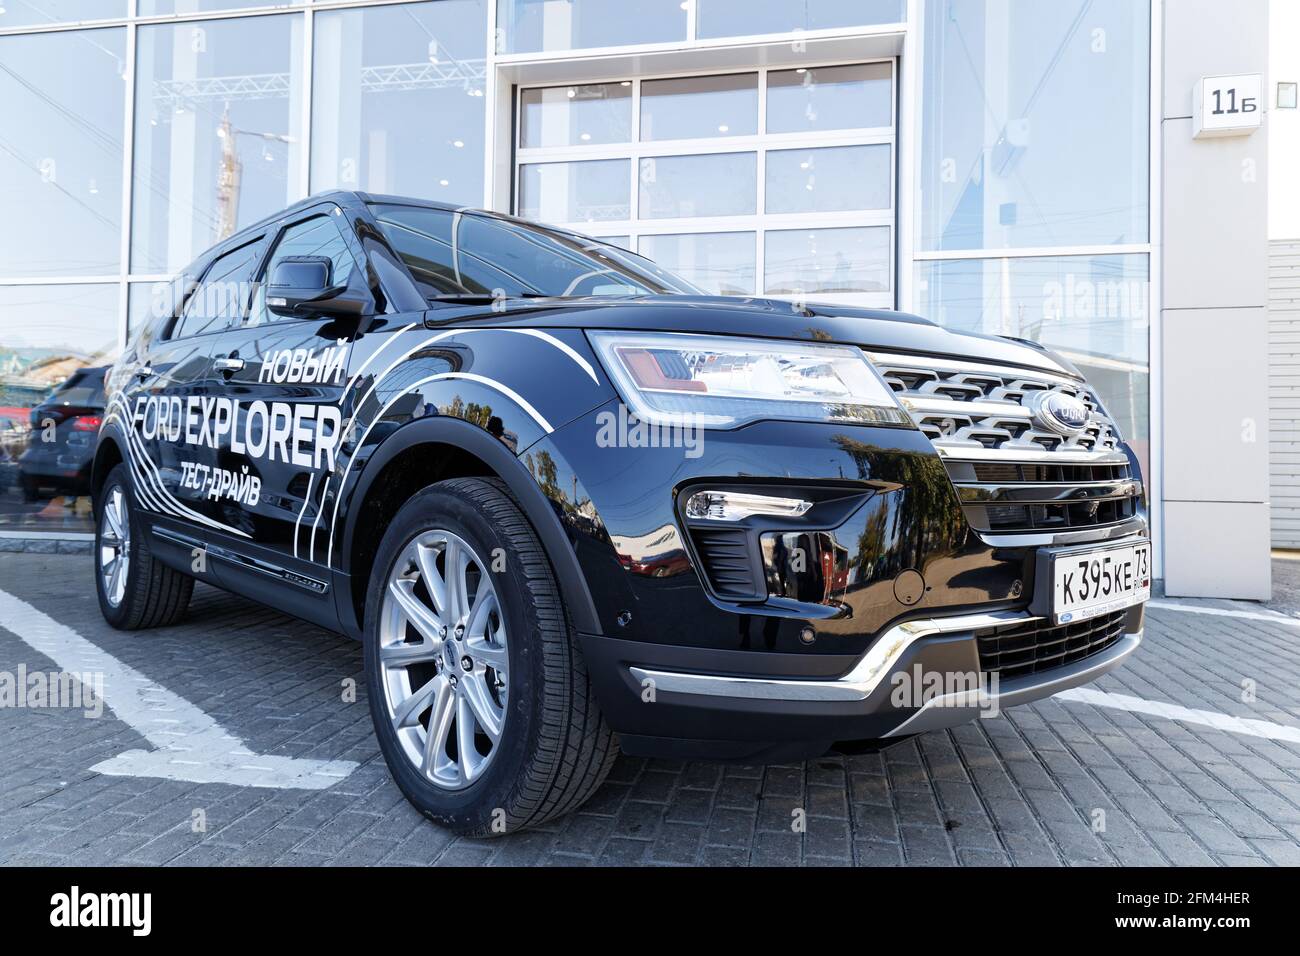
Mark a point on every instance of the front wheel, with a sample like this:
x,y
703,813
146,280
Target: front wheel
x,y
135,590
479,693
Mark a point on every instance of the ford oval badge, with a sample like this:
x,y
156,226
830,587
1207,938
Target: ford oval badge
x,y
1060,413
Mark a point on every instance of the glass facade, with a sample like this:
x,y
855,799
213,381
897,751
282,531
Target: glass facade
x,y
217,133
1035,129
135,133
1034,184
377,72
61,152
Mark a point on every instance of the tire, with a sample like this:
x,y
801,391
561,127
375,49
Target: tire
x,y
147,593
553,748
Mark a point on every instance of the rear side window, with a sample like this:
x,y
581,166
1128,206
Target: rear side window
x,y
218,303
317,236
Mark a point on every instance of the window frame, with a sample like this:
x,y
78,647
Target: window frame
x,y
760,144
329,211
228,248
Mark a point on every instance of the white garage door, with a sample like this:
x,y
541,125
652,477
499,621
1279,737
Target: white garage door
x,y
1284,390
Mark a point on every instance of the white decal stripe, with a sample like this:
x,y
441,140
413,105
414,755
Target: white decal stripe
x,y
384,374
563,347
371,357
143,488
483,380
504,390
550,339
140,458
144,493
179,508
320,509
306,498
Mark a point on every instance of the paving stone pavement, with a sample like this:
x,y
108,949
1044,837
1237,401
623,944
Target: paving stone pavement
x,y
1054,783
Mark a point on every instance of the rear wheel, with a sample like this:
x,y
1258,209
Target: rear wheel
x,y
479,694
135,590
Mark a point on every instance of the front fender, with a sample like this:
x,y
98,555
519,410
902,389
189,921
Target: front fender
x,y
542,512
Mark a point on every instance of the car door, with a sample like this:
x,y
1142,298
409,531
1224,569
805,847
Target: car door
x,y
284,376
172,396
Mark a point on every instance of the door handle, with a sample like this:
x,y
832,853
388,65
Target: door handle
x,y
228,364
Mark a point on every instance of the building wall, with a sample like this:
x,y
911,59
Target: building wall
x,y
1214,332
1025,185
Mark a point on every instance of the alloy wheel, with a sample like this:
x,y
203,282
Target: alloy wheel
x,y
115,545
443,655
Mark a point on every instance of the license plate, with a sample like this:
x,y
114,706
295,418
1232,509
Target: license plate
x,y
1087,583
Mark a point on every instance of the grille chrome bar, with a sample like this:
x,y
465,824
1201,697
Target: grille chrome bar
x,y
1046,494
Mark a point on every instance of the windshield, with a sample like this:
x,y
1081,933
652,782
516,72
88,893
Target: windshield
x,y
454,254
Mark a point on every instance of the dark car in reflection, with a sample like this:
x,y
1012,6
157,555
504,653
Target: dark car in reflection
x,y
61,444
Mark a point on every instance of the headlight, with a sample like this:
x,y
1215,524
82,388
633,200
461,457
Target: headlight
x,y
721,382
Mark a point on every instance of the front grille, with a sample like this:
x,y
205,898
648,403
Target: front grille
x,y
1012,471
969,409
1019,649
728,563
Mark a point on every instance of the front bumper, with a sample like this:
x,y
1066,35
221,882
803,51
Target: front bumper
x,y
721,648
686,705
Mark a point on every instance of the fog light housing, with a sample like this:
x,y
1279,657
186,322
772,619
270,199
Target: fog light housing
x,y
737,506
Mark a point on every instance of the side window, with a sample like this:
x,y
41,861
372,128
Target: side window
x,y
317,236
218,302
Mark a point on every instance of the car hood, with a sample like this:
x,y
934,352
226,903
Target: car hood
x,y
872,329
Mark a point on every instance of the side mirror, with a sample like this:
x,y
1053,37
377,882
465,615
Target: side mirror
x,y
304,285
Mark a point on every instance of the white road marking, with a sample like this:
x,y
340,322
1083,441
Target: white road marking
x,y
1269,616
191,745
1186,715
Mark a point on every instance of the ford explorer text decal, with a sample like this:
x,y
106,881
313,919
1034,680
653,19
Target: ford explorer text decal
x,y
300,434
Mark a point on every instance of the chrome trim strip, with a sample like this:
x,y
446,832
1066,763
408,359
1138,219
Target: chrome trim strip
x,y
1027,455
923,363
1029,493
857,685
1098,534
976,408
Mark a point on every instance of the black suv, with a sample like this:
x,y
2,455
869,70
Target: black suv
x,y
570,503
